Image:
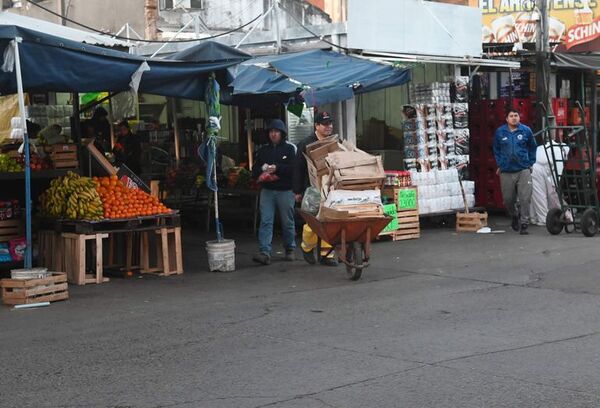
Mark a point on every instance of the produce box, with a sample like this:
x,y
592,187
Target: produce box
x,y
64,156
26,291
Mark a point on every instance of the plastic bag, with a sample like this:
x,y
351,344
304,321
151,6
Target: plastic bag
x,y
311,201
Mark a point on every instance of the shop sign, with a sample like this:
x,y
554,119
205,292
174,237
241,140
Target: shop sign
x,y
130,179
407,199
571,22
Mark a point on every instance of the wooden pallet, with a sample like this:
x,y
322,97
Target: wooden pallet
x,y
471,222
27,291
145,223
408,226
10,229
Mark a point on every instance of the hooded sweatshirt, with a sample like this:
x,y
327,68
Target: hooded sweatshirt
x,y
282,155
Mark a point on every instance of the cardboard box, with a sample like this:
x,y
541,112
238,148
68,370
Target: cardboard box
x,y
350,212
318,154
315,175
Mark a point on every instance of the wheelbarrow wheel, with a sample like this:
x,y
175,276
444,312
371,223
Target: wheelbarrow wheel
x,y
589,222
355,256
554,221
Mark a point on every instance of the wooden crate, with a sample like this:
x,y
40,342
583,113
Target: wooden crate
x,y
64,156
10,229
26,291
471,222
409,226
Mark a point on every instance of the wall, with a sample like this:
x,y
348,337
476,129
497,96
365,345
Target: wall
x,y
228,14
104,15
387,104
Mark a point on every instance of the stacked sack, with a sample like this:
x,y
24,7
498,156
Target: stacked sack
x,y
348,180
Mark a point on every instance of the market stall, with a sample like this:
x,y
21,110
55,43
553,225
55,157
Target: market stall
x,y
38,63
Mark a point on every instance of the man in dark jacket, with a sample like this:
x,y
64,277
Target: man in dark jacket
x,y
514,149
128,148
323,129
274,169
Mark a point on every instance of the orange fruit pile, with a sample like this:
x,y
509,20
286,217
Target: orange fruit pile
x,y
122,202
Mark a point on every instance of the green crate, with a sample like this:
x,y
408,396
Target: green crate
x,y
392,226
390,209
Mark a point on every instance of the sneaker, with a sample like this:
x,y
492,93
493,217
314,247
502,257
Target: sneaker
x,y
290,255
329,262
515,223
309,256
262,259
524,229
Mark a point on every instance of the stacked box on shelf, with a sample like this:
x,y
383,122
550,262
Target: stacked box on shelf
x,y
64,156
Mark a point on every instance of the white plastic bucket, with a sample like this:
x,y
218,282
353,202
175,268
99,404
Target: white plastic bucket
x,y
221,255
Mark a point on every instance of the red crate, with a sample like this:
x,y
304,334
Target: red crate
x,y
560,108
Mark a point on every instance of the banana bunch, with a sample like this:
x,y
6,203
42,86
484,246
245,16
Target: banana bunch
x,y
73,197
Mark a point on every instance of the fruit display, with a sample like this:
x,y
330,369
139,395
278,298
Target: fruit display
x,y
8,164
122,202
36,163
72,197
238,177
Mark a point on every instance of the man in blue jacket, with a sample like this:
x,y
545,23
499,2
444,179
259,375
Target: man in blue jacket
x,y
514,149
274,170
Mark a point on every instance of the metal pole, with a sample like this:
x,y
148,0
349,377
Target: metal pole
x,y
175,130
111,121
542,64
28,252
249,139
594,118
196,26
277,25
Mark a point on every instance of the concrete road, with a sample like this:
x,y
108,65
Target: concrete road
x,y
444,321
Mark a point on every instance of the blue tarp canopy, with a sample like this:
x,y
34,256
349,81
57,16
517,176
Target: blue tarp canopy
x,y
210,51
321,76
54,64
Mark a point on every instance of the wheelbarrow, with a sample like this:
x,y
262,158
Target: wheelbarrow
x,y
350,238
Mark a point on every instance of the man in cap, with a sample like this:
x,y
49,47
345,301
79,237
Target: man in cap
x,y
274,169
323,129
515,152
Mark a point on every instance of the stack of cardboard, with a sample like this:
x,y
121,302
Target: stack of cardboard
x,y
333,166
315,155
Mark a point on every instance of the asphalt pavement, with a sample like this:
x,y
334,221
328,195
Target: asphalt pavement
x,y
443,321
